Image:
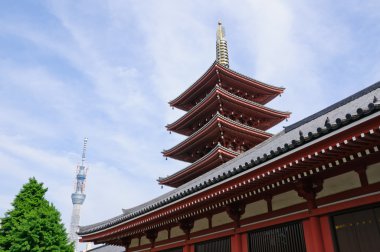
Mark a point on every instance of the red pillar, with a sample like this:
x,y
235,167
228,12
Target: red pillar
x,y
236,243
244,242
188,248
327,234
308,236
315,227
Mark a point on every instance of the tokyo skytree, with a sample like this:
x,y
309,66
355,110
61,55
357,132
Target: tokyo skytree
x,y
78,197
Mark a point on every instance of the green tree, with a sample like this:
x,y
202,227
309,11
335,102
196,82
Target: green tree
x,y
33,224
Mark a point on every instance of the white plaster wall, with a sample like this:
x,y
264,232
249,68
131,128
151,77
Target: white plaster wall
x,y
340,183
255,208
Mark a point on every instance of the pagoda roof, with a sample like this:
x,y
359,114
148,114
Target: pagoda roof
x,y
344,115
210,78
209,129
215,157
212,99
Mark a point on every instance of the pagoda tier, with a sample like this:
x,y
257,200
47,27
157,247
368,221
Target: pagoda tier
x,y
220,129
214,158
232,106
229,80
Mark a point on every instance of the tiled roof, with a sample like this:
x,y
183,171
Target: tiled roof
x,y
199,161
334,106
225,92
221,119
311,128
251,79
215,63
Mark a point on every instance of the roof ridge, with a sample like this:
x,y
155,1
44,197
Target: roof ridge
x,y
333,106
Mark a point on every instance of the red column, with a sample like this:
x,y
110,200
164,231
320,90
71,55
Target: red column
x,y
244,242
327,234
236,243
187,248
308,236
315,227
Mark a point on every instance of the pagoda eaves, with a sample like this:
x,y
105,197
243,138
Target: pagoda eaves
x,y
220,74
216,130
215,157
220,99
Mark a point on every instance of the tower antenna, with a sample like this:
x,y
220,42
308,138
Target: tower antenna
x,y
78,197
84,150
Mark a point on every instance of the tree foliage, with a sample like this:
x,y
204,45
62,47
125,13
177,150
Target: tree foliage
x,y
33,224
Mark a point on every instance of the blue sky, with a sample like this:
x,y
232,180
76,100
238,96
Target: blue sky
x,y
106,70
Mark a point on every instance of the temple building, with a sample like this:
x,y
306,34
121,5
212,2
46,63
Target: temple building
x,y
314,187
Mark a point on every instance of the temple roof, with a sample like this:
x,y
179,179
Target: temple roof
x,y
217,123
215,157
212,99
210,78
361,106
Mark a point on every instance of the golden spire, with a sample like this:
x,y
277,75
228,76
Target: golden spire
x,y
221,46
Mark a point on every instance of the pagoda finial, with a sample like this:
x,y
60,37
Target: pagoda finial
x,y
221,46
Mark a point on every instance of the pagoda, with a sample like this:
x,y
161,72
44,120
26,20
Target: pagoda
x,y
225,116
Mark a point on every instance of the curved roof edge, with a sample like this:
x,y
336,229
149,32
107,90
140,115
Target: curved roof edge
x,y
219,90
222,118
215,150
215,65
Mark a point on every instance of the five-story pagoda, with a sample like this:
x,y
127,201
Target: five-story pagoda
x,y
225,116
